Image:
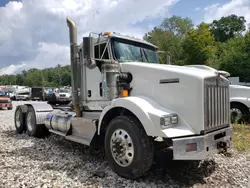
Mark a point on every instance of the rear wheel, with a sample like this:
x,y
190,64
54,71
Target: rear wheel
x,y
128,149
33,129
19,120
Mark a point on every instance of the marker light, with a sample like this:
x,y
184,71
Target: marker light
x,y
124,93
107,33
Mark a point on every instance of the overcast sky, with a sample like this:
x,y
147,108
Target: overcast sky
x,y
33,33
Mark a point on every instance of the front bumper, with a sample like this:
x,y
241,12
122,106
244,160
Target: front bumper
x,y
203,146
21,97
5,105
63,99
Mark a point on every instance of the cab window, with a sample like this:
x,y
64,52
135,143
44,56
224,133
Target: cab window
x,y
102,47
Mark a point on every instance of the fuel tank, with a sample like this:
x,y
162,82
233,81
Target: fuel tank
x,y
59,120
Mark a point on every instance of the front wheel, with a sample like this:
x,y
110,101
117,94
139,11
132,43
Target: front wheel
x,y
128,149
239,113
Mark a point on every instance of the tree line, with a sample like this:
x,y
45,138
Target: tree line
x,y
50,77
222,44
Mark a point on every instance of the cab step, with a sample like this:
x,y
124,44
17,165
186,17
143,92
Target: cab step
x,y
79,139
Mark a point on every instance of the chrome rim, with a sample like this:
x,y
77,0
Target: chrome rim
x,y
122,147
18,123
235,114
29,121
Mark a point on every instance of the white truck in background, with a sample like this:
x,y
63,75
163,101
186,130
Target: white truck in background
x,y
129,103
236,81
23,93
240,103
60,96
239,98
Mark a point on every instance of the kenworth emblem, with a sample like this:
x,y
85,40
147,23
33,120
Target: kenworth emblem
x,y
168,81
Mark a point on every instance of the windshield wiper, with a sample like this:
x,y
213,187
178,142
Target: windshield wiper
x,y
141,54
145,54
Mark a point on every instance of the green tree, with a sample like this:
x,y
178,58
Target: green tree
x,y
235,57
51,77
168,37
227,27
199,46
177,26
20,79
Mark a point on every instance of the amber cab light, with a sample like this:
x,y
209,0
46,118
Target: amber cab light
x,y
124,93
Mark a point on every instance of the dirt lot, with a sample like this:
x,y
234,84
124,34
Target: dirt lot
x,y
55,162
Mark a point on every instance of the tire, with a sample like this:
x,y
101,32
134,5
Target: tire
x,y
9,108
19,120
142,154
239,113
33,129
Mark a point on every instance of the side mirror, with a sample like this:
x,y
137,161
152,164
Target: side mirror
x,y
88,52
167,56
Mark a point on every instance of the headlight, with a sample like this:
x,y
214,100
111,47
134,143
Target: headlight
x,y
168,120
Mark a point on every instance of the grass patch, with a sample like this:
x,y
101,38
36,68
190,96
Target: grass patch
x,y
241,137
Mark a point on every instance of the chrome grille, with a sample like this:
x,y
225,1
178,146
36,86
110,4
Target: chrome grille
x,y
216,99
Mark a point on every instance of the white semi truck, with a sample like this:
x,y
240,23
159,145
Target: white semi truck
x,y
128,102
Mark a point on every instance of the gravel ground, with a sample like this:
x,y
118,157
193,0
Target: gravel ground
x,y
55,162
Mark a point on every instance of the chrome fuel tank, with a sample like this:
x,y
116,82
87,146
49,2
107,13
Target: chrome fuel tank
x,y
59,120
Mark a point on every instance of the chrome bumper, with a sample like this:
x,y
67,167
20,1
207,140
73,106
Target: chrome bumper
x,y
63,99
201,147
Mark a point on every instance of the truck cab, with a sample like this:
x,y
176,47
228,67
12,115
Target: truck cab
x,y
126,102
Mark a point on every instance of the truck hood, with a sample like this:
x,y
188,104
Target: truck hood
x,y
239,91
184,70
167,71
177,88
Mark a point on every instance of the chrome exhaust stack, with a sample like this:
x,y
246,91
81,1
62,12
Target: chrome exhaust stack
x,y
73,61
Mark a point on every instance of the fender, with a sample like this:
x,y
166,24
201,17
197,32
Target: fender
x,y
149,113
243,100
41,111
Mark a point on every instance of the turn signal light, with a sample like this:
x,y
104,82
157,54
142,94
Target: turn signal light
x,y
124,93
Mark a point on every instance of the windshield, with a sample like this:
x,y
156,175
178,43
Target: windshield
x,y
125,50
